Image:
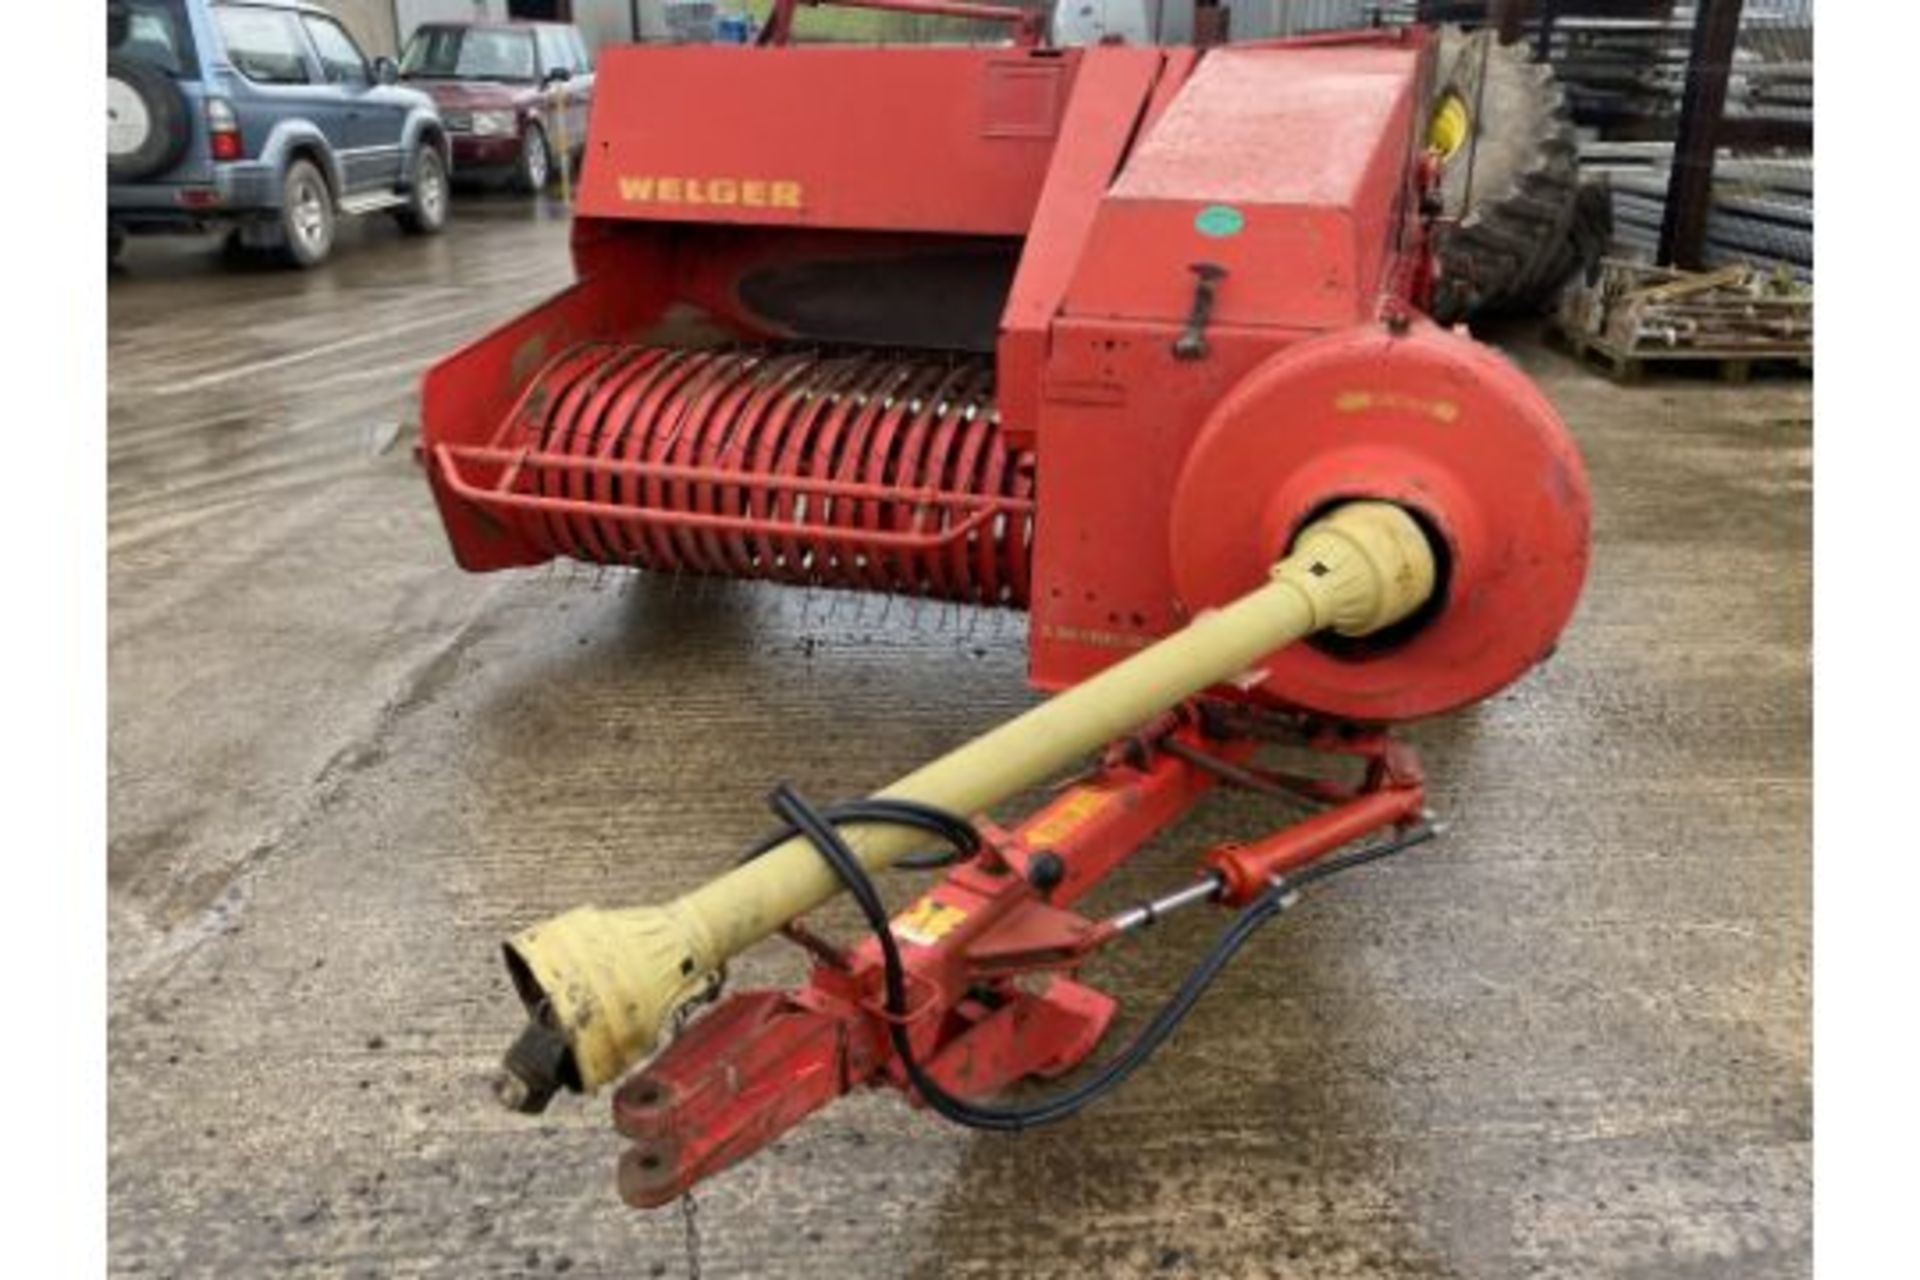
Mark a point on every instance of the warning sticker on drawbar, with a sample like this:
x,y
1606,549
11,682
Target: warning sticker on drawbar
x,y
927,921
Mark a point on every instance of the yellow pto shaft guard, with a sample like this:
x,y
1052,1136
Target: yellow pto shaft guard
x,y
599,985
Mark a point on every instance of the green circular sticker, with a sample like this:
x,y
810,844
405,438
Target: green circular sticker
x,y
1219,221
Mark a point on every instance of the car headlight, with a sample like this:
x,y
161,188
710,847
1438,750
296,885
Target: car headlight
x,y
495,124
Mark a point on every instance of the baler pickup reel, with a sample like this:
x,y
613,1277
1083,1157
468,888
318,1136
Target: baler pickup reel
x,y
1129,338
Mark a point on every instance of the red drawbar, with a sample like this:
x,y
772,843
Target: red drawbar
x,y
990,954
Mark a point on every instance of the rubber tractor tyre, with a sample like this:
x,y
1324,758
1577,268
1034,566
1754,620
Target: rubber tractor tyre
x,y
1510,189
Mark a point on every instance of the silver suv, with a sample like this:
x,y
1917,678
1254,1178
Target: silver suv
x,y
262,117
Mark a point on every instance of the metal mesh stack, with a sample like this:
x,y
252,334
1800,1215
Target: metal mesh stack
x,y
1762,210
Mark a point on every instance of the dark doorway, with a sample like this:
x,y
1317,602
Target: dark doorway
x,y
541,10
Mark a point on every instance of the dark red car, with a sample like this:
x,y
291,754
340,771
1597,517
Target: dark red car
x,y
513,95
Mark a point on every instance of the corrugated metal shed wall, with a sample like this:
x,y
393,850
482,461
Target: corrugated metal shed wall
x,y
382,26
370,21
411,13
605,22
1258,19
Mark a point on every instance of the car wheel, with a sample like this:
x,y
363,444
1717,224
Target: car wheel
x,y
531,174
116,245
306,215
426,211
147,122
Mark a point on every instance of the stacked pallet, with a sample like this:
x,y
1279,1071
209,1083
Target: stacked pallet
x,y
1632,315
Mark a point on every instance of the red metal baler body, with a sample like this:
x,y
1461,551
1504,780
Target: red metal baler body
x,y
1089,332
1018,234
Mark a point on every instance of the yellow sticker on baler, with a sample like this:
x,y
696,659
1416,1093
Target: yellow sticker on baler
x,y
1068,814
927,921
1361,401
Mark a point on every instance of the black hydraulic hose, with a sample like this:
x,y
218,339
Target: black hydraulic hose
x,y
817,827
959,835
1355,858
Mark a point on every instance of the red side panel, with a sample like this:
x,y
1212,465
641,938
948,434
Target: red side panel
x,y
936,138
1283,165
1110,94
1288,166
1118,420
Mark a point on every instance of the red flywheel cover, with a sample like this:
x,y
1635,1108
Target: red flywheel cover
x,y
1442,425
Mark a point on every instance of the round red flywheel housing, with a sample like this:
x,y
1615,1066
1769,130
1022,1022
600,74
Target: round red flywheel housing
x,y
1443,426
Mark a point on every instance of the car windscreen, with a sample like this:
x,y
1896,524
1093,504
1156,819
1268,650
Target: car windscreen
x,y
468,53
154,32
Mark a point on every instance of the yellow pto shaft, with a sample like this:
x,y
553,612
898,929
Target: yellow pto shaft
x,y
604,982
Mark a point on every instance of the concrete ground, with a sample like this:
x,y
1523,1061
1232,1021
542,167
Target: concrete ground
x,y
1572,1039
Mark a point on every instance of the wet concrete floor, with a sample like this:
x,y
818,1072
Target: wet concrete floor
x,y
1572,1039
